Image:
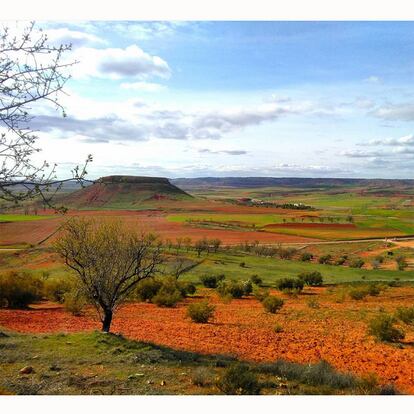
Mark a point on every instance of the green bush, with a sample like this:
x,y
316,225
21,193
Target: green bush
x,y
18,290
146,289
358,293
187,288
325,259
260,294
356,263
319,374
55,289
382,327
256,280
239,379
340,261
247,288
306,257
311,278
405,315
373,289
273,304
211,281
233,289
200,312
278,328
74,302
167,299
401,262
169,294
290,285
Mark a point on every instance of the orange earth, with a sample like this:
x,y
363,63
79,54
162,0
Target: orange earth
x,y
336,332
34,232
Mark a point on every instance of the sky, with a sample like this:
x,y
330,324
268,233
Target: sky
x,y
194,99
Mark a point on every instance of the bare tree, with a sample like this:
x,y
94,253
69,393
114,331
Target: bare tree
x,y
109,260
31,71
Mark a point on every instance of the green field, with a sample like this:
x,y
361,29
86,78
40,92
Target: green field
x,y
271,269
20,217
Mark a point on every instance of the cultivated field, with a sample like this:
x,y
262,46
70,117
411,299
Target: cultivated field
x,y
356,238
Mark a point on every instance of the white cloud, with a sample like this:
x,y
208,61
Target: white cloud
x,y
76,38
400,112
116,63
143,86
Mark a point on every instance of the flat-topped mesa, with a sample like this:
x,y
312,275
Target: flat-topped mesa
x,y
132,179
125,192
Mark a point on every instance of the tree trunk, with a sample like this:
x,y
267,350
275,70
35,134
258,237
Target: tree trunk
x,y
106,323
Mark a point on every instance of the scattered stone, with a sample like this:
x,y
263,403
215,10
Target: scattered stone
x,y
27,370
162,383
150,382
55,367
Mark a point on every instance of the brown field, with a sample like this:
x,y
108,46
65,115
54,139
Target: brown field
x,y
34,232
336,332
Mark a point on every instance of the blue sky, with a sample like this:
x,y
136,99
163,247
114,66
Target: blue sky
x,y
187,99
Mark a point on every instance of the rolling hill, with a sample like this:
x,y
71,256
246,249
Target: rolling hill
x,y
124,192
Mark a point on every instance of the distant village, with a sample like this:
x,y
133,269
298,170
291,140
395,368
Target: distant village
x,y
257,202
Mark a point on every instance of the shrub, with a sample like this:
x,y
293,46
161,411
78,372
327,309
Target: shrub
x,y
242,264
211,281
74,302
239,379
187,288
311,278
232,289
256,280
373,289
405,315
201,376
260,294
325,259
382,327
247,287
290,285
169,294
200,312
278,328
286,253
273,304
55,289
18,290
306,257
401,262
317,374
340,261
147,289
356,263
358,293
167,299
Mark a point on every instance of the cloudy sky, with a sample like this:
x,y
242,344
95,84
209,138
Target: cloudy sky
x,y
190,99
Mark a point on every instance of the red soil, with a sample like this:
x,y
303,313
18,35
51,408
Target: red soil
x,y
335,332
32,232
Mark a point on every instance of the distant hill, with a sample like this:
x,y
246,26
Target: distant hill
x,y
122,191
251,182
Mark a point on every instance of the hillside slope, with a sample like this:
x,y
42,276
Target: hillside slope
x,y
123,192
